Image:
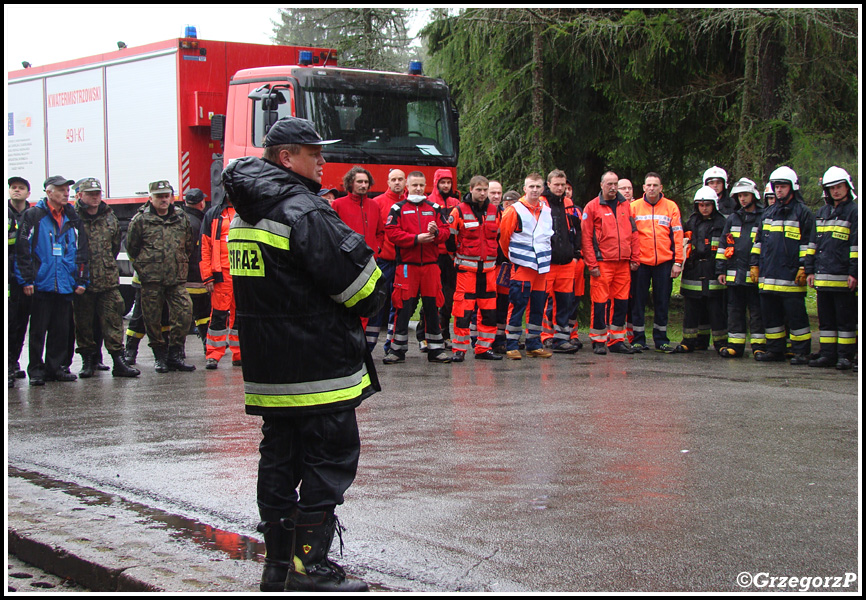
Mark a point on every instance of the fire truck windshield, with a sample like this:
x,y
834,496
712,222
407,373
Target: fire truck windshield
x,y
380,120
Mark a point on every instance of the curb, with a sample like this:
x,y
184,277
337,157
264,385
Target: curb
x,y
109,548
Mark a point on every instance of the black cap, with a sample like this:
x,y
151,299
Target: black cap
x,y
294,130
19,180
57,180
324,191
194,196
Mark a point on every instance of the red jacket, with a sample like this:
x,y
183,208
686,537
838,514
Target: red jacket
x,y
406,221
361,214
607,236
386,201
476,239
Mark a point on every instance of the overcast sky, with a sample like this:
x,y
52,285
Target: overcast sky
x,y
47,33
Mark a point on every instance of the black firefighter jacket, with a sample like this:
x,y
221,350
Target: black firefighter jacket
x,y
302,278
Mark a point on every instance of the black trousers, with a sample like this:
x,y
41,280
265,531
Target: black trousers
x,y
743,299
17,319
786,308
705,316
317,452
50,329
837,324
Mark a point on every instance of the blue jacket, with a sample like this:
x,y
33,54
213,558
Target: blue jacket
x,y
52,259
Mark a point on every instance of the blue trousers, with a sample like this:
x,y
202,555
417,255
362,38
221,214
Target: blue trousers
x,y
662,285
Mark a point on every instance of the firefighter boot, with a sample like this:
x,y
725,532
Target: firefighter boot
x,y
279,537
313,570
175,360
160,359
132,349
121,369
87,361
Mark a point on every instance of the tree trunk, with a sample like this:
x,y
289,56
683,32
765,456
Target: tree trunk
x,y
537,94
773,80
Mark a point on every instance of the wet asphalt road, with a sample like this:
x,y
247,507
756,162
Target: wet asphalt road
x,y
577,473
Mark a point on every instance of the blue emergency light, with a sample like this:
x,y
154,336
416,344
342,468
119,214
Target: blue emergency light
x,y
305,58
415,67
190,32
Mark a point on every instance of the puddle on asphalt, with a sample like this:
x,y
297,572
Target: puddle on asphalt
x,y
235,546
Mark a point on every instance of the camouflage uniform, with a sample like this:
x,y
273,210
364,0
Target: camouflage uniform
x,y
102,298
160,249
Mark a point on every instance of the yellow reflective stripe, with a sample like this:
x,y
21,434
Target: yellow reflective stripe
x,y
801,338
308,399
252,234
366,290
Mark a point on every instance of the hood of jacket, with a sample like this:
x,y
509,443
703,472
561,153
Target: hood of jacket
x,y
256,185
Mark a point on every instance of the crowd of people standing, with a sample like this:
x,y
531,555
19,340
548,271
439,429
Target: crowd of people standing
x,y
509,269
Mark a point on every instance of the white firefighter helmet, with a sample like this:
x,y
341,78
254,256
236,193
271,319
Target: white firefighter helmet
x,y
707,194
785,174
715,173
768,190
836,175
746,185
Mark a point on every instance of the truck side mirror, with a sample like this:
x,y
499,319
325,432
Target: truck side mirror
x,y
271,100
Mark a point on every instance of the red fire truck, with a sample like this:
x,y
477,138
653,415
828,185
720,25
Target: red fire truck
x,y
183,108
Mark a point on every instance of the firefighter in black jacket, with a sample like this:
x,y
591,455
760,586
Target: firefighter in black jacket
x,y
302,280
732,270
704,295
782,257
835,276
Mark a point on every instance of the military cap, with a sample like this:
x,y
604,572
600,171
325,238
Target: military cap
x,y
89,184
160,187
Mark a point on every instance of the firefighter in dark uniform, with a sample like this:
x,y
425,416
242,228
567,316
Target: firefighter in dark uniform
x,y
835,276
704,295
732,270
18,303
782,257
302,279
193,207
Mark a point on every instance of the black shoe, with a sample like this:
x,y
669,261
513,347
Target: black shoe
x,y
314,532
769,357
822,362
640,347
621,348
599,348
19,373
459,356
728,352
175,360
564,348
64,376
121,369
160,355
438,356
499,349
37,381
800,359
86,366
665,349
684,349
394,357
844,364
489,355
